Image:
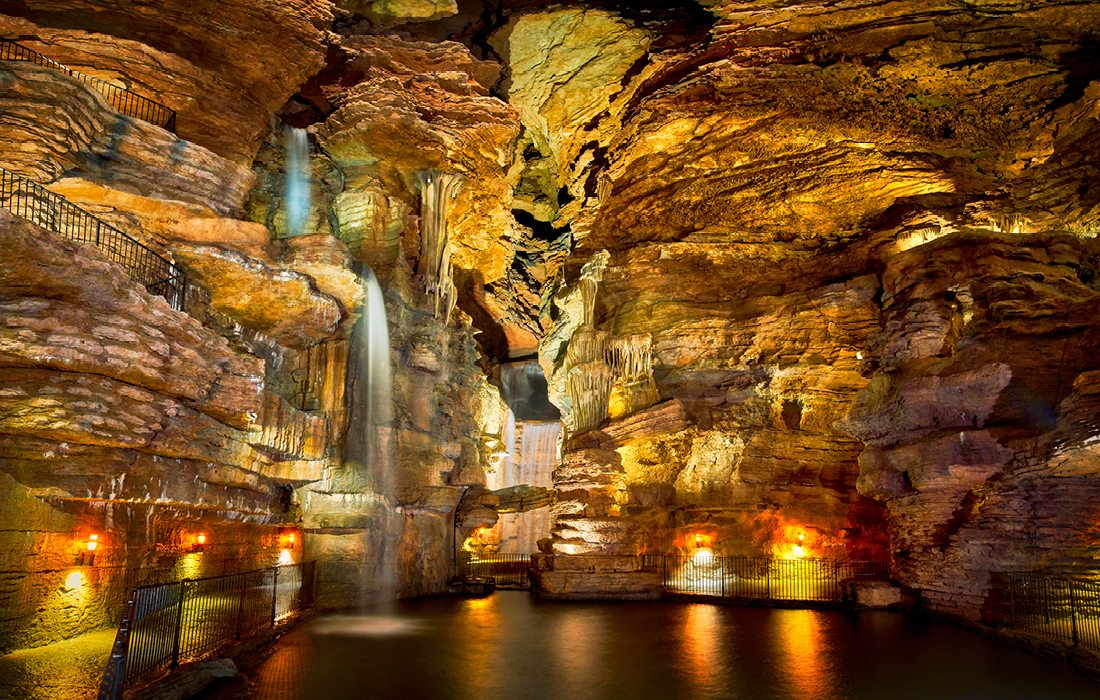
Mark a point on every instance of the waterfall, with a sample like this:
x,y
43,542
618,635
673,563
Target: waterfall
x,y
379,398
536,458
297,179
500,477
538,453
368,447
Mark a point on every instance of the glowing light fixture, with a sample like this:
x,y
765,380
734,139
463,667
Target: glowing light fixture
x,y
798,551
288,538
698,540
200,542
87,553
702,557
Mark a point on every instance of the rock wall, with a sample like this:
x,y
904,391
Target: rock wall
x,y
976,419
758,194
817,273
126,419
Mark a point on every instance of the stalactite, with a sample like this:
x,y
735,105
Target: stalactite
x,y
437,191
591,275
589,386
586,345
631,357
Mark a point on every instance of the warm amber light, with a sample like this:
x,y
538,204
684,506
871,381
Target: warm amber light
x,y
93,542
698,540
201,538
287,538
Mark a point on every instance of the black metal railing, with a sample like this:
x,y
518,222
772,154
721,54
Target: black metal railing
x,y
31,201
506,570
1064,608
120,98
168,624
759,578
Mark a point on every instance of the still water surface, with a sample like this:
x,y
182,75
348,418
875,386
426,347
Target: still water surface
x,y
510,646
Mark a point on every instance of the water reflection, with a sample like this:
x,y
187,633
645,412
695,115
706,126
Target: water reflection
x,y
480,666
701,636
575,647
509,646
804,648
365,625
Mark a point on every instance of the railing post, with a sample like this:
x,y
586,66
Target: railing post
x,y
274,592
240,607
179,625
1072,612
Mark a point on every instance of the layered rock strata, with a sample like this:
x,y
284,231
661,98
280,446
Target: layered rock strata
x,y
977,419
124,418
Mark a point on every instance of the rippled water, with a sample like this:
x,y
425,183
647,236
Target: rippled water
x,y
509,646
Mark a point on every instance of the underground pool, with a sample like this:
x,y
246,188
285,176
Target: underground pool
x,y
512,646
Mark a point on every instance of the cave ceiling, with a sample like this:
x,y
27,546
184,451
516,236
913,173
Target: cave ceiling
x,y
718,150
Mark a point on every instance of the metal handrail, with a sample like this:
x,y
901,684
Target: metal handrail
x,y
759,578
123,100
29,200
1063,607
169,623
506,570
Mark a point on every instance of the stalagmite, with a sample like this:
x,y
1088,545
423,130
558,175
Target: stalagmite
x,y
437,191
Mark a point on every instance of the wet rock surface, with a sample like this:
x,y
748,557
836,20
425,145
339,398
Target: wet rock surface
x,y
820,272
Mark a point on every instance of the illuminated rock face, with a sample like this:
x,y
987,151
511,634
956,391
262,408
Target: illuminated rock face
x,y
847,299
211,61
979,418
122,417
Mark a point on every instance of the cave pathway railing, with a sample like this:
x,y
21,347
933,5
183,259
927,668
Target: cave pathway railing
x,y
125,101
506,570
763,579
1065,608
33,202
164,625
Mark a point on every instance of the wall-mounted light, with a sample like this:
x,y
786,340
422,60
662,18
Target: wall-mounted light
x,y
87,551
200,542
698,540
288,538
798,550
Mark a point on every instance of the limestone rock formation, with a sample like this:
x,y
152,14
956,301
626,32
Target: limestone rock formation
x,y
210,61
109,396
818,273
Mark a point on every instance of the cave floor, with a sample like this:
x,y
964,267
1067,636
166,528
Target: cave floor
x,y
70,669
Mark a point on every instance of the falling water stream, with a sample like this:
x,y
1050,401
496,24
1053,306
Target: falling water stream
x,y
368,447
538,453
296,185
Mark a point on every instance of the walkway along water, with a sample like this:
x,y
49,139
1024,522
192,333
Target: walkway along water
x,y
167,624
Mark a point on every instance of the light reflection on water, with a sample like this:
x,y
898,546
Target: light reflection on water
x,y
802,640
510,646
703,657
